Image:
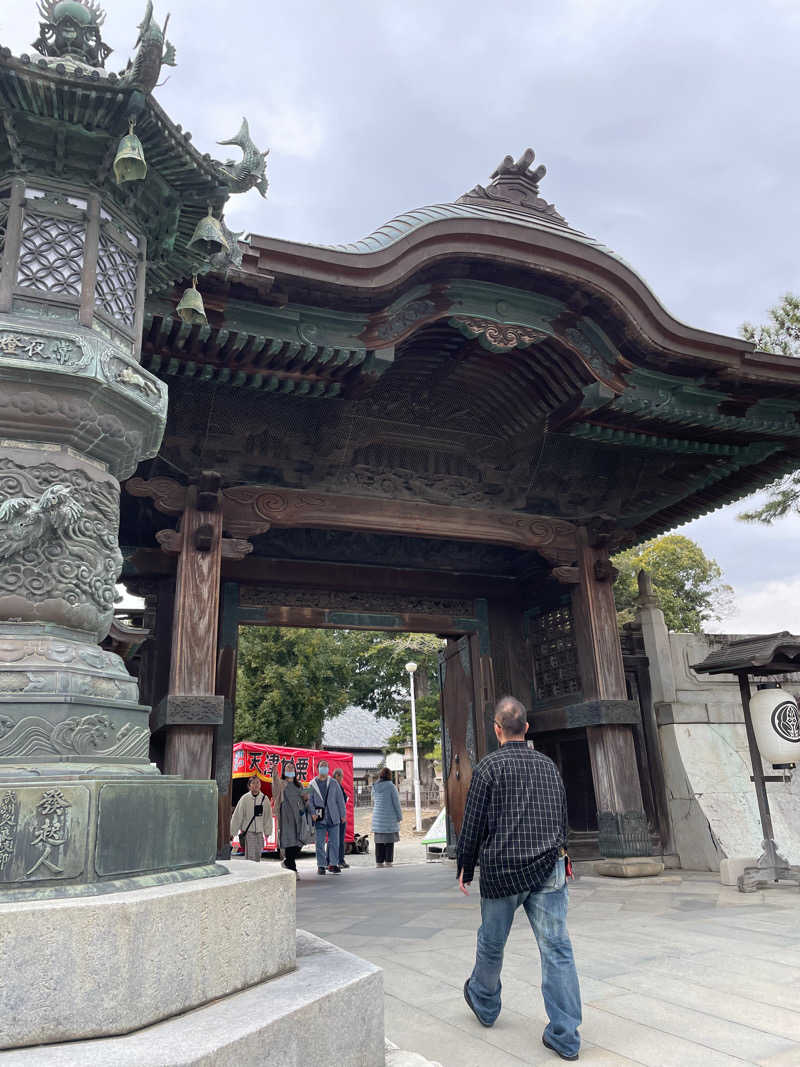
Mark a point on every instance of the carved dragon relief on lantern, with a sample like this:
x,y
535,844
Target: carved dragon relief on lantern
x,y
58,544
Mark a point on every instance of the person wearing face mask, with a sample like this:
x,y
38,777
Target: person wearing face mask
x,y
292,812
252,819
328,812
338,774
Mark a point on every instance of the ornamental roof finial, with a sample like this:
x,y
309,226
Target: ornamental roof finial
x,y
515,185
71,28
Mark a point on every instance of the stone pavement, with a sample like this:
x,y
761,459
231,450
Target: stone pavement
x,y
676,971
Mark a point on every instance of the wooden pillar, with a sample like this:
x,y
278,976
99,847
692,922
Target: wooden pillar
x,y
226,688
620,812
192,709
154,673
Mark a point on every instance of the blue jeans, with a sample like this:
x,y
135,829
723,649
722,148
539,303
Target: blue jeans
x,y
329,857
547,914
342,831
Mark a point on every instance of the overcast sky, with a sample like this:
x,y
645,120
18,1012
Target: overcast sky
x,y
667,129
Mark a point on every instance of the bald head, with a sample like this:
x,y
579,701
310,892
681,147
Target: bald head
x,y
510,719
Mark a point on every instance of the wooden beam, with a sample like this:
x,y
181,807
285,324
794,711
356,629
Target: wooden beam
x,y
253,509
151,562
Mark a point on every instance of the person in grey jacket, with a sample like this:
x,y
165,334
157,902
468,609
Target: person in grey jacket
x,y
328,812
386,818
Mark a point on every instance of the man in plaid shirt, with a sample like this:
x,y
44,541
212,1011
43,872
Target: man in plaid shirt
x,y
515,823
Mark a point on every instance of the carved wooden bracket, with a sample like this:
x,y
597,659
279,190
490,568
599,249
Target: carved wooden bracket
x,y
232,547
252,509
566,575
605,571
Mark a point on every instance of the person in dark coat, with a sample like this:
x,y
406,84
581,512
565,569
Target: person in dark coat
x,y
293,816
386,818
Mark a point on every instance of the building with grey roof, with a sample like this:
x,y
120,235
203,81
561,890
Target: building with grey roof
x,y
362,733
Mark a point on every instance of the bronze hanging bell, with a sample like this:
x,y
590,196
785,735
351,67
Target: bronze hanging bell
x,y
190,309
208,238
129,162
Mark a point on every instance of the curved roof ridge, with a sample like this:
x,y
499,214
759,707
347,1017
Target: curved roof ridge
x,y
398,227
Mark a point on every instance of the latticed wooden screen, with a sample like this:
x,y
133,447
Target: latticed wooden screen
x,y
555,658
51,256
115,290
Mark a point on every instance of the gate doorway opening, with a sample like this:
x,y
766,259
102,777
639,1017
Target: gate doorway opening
x,y
345,690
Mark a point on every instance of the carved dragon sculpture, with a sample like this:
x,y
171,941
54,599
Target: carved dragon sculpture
x,y
154,51
250,171
27,521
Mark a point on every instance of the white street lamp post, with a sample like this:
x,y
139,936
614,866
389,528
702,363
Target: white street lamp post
x,y
411,667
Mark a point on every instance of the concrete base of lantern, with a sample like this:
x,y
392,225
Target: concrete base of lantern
x,y
328,1010
91,967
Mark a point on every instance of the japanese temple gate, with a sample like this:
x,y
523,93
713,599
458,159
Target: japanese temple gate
x,y
448,426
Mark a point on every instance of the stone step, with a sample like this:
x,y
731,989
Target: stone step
x,y
328,1010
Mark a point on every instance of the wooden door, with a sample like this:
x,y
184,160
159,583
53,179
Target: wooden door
x,y
459,748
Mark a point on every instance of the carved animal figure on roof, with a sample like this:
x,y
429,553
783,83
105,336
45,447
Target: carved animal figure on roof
x,y
223,261
154,51
250,172
25,521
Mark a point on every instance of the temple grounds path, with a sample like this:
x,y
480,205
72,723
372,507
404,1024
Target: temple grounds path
x,y
676,971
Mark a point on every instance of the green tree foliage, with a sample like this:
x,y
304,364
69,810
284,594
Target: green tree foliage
x,y
290,680
780,334
688,584
381,683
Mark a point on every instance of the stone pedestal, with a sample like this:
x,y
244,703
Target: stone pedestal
x,y
211,972
630,867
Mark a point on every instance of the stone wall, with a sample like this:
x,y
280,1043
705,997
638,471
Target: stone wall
x,y
712,802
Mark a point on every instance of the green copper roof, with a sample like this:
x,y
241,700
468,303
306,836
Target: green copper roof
x,y
401,226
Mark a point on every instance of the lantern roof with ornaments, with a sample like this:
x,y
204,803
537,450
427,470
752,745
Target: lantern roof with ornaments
x,y
62,118
763,655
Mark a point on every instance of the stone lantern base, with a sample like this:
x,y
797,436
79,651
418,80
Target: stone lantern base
x,y
82,808
80,836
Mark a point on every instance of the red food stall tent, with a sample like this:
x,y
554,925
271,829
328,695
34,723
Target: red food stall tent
x,y
250,758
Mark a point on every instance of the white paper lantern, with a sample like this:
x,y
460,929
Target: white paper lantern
x,y
776,721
